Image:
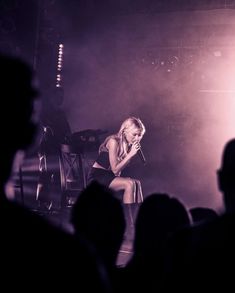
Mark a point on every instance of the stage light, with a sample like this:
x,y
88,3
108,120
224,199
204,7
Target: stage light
x,y
59,65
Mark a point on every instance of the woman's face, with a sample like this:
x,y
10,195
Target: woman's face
x,y
133,134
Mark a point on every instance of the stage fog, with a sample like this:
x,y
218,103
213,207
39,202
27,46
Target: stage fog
x,y
172,67
176,72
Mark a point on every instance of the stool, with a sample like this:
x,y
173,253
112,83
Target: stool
x,y
72,174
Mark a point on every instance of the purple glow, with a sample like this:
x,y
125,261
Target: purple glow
x,y
174,70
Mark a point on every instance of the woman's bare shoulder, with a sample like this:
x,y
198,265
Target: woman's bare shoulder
x,y
112,141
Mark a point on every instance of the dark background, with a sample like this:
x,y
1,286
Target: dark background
x,y
171,63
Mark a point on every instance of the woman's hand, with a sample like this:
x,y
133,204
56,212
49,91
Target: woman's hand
x,y
134,148
118,165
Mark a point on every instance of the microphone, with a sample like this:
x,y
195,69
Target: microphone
x,y
141,155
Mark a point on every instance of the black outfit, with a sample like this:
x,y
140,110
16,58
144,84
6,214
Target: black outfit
x,y
103,176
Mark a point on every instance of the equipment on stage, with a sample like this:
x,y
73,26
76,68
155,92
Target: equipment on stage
x,y
74,156
86,140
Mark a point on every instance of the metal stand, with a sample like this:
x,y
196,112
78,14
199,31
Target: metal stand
x,y
72,175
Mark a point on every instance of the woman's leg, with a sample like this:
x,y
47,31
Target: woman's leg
x,y
128,186
138,200
139,193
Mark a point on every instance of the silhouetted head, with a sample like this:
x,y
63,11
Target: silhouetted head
x,y
226,175
98,216
159,216
201,214
17,124
18,95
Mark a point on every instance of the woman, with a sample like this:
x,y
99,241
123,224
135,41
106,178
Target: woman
x,y
114,154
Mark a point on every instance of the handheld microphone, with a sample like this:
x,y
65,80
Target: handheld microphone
x,y
141,155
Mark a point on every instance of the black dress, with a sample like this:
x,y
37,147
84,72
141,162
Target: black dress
x,y
104,176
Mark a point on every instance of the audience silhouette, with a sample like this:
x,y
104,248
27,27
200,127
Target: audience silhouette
x,y
159,216
34,254
226,173
204,254
98,216
201,214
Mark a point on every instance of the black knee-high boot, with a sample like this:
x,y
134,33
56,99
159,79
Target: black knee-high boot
x,y
130,212
135,209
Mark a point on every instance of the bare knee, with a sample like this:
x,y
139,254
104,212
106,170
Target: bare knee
x,y
122,183
137,182
130,184
129,192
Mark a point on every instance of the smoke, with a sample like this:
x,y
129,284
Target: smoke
x,y
166,70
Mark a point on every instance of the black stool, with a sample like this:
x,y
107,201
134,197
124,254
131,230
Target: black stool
x,y
72,174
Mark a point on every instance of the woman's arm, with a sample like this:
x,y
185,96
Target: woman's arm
x,y
116,165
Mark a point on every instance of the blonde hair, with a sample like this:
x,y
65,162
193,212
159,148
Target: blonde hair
x,y
120,136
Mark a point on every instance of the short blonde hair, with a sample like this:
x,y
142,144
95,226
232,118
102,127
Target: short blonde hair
x,y
132,121
120,137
